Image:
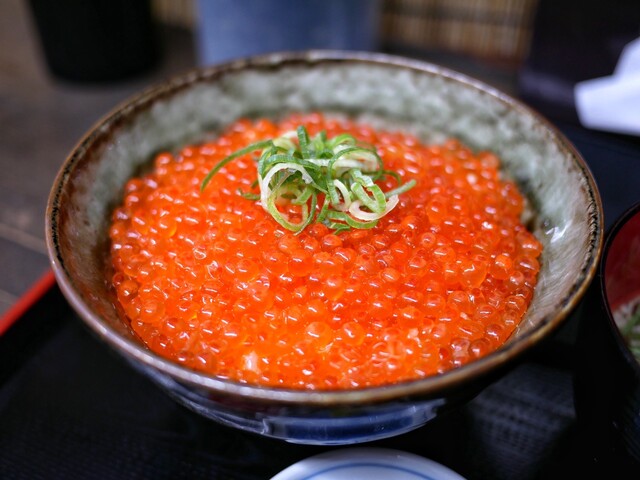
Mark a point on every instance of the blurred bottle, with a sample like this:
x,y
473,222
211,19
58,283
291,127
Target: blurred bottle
x,y
97,40
228,29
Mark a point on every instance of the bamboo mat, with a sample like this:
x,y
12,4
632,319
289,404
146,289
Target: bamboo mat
x,y
498,30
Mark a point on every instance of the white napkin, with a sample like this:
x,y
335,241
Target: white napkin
x,y
613,103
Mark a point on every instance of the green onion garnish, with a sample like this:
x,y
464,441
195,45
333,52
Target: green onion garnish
x,y
631,332
335,174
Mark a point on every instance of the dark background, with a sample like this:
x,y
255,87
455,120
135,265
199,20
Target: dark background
x,y
70,409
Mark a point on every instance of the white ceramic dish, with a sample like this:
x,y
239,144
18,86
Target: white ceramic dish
x,y
369,463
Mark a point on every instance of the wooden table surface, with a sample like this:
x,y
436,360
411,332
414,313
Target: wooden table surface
x,y
41,119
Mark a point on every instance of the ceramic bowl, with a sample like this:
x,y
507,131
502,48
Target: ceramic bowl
x,y
607,380
387,92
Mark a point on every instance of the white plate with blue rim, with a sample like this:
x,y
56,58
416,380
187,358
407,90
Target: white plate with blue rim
x,y
369,464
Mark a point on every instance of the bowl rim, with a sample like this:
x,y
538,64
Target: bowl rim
x,y
426,387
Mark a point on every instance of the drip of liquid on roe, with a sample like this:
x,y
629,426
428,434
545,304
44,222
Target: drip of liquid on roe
x,y
210,280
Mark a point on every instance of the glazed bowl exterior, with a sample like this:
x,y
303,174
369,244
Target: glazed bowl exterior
x,y
389,93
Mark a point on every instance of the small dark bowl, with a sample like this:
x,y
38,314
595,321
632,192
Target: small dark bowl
x,y
387,92
607,381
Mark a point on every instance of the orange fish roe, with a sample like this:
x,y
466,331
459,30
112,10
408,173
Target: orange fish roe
x,y
211,281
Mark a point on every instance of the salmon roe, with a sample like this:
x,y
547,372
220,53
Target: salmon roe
x,y
210,280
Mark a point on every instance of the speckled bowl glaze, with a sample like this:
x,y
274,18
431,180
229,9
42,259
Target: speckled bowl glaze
x,y
388,92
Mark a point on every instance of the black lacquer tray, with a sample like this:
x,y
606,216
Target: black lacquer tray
x,y
71,409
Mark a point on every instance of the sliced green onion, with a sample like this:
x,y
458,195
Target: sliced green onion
x,y
304,196
401,189
251,148
350,221
248,195
364,199
346,196
356,212
340,169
